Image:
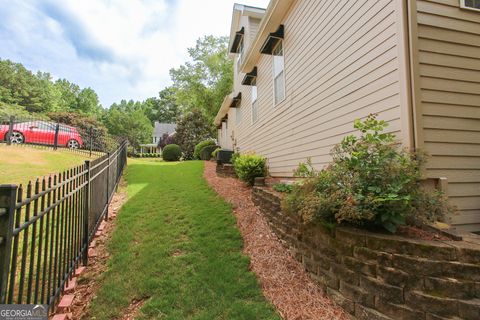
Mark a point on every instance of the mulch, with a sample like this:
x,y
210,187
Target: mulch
x,y
283,279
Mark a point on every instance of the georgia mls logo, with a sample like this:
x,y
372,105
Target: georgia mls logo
x,y
23,312
39,311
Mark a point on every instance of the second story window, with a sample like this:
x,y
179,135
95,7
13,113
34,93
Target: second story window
x,y
254,103
240,54
278,73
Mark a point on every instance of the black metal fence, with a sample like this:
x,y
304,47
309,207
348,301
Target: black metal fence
x,y
52,134
46,227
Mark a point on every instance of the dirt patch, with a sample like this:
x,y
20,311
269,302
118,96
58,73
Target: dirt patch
x,y
88,282
283,280
134,308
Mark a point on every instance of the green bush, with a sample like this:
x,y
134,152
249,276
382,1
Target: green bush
x,y
206,152
215,152
370,182
235,155
249,166
283,187
172,152
200,146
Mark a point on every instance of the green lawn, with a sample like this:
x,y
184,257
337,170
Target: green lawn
x,y
176,245
19,164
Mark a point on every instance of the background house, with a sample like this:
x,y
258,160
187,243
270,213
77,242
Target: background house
x,y
304,70
159,130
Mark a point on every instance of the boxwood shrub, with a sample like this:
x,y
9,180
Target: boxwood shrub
x,y
200,146
206,152
249,166
172,152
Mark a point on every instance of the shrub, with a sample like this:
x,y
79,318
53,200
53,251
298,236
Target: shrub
x,y
206,152
235,155
200,146
283,187
166,139
369,183
215,152
172,152
249,166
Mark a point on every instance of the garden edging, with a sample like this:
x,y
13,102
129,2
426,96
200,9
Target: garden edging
x,y
381,276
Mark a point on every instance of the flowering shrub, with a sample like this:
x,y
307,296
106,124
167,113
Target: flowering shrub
x,y
370,182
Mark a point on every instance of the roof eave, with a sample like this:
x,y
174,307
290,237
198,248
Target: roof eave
x,y
276,11
227,101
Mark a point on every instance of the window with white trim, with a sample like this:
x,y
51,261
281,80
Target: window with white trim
x,y
240,55
238,115
254,103
470,4
278,73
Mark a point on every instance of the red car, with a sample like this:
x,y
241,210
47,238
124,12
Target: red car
x,y
42,132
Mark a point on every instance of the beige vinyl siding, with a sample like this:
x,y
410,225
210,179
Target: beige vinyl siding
x,y
340,65
449,86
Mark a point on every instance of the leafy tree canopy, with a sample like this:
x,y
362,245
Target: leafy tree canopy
x,y
203,82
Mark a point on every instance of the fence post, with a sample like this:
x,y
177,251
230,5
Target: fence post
x,y
8,195
91,140
55,141
10,130
86,213
108,185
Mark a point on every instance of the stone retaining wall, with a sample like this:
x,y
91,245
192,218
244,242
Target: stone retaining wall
x,y
381,276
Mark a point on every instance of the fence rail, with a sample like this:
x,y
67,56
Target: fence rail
x,y
47,226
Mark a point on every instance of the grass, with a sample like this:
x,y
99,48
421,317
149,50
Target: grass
x,y
176,246
19,164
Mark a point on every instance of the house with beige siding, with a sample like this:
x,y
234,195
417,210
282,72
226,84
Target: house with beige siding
x,y
304,70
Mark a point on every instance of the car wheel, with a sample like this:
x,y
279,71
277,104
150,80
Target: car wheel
x,y
17,138
73,144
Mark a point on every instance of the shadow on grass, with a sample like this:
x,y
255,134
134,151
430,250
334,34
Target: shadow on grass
x,y
176,244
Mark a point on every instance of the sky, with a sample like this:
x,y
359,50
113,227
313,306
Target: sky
x,y
123,49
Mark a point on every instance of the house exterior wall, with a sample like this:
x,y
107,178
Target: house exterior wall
x,y
341,64
445,45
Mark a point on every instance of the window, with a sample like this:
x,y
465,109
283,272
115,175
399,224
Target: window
x,y
240,55
238,114
65,129
278,73
470,4
254,103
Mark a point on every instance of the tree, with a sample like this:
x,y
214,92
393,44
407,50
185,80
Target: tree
x,y
19,86
167,139
163,109
132,125
192,128
87,102
204,82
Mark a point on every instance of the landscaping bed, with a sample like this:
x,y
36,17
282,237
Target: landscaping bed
x,y
378,275
283,280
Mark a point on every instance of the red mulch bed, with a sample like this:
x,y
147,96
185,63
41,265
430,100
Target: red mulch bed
x,y
283,280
